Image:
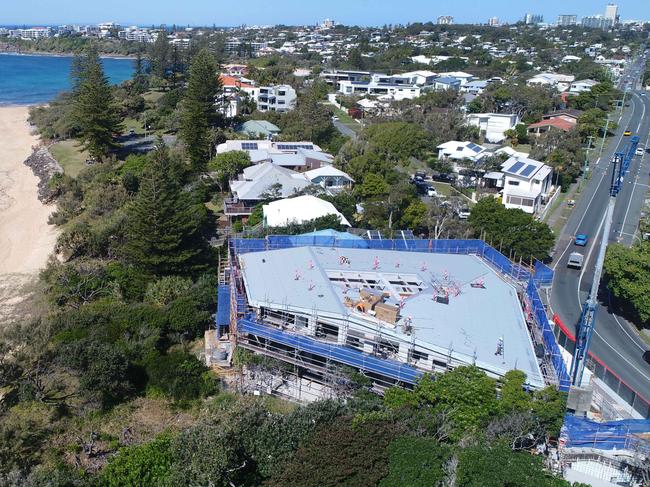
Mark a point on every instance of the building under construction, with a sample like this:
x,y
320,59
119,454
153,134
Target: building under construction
x,y
389,309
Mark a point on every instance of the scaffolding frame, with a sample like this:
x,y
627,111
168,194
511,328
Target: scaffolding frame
x,y
244,317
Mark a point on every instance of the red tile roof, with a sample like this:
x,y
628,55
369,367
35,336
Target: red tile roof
x,y
233,82
558,123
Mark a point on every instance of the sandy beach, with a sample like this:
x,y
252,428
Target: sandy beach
x,y
26,240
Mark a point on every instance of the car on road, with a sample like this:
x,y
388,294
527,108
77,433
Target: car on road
x,y
639,151
646,356
131,132
581,239
575,260
627,133
463,213
335,118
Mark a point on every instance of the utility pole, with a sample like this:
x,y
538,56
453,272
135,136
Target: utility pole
x,y
602,142
586,168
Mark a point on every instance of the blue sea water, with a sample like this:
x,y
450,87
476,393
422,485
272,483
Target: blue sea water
x,y
33,79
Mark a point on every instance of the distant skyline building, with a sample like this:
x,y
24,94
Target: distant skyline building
x,y
530,19
611,12
445,20
567,20
328,24
597,22
493,21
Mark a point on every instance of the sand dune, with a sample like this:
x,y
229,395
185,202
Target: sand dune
x,y
26,240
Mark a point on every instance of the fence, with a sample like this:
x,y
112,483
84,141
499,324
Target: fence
x,y
541,275
566,340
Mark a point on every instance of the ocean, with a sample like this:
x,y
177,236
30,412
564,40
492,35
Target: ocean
x,y
33,79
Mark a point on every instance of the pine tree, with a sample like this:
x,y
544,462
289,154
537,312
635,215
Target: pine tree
x,y
159,55
164,224
199,110
95,110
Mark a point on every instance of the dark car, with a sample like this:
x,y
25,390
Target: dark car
x,y
646,356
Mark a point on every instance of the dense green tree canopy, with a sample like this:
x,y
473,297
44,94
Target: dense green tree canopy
x,y
513,231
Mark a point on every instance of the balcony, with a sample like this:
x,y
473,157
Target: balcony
x,y
234,207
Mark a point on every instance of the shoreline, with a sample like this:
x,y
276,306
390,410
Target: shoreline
x,y
26,238
62,54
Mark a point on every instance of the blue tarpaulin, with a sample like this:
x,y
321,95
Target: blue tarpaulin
x,y
223,305
612,435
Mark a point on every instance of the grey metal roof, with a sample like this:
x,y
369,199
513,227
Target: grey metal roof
x,y
468,328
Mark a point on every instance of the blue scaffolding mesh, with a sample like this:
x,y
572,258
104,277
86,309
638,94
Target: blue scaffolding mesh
x,y
550,343
223,306
348,356
612,435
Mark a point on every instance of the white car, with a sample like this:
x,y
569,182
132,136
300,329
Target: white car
x,y
432,192
639,151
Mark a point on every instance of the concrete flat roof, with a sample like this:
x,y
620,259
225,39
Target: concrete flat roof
x,y
308,280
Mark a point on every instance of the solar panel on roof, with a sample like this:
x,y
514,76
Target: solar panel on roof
x,y
527,170
474,147
516,167
249,146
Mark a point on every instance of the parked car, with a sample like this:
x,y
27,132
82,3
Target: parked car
x,y
432,192
581,239
463,213
639,151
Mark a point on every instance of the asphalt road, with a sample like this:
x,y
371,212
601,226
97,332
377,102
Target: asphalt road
x,y
615,341
344,129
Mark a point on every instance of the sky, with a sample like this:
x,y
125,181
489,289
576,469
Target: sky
x,y
298,12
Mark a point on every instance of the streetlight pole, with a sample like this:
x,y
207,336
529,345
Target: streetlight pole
x,y
602,142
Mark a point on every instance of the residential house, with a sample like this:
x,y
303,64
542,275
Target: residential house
x,y
570,115
539,128
456,151
526,185
258,128
582,86
493,125
464,78
298,210
475,87
278,98
446,83
299,156
268,180
261,182
560,82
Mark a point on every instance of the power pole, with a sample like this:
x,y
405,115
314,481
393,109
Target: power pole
x,y
590,138
602,142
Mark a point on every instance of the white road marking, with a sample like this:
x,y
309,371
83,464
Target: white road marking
x,y
619,354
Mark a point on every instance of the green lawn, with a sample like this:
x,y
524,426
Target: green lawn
x,y
70,156
153,96
346,119
132,123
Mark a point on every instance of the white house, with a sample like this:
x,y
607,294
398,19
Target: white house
x,y
298,210
279,98
493,125
463,77
561,82
527,183
457,151
582,86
